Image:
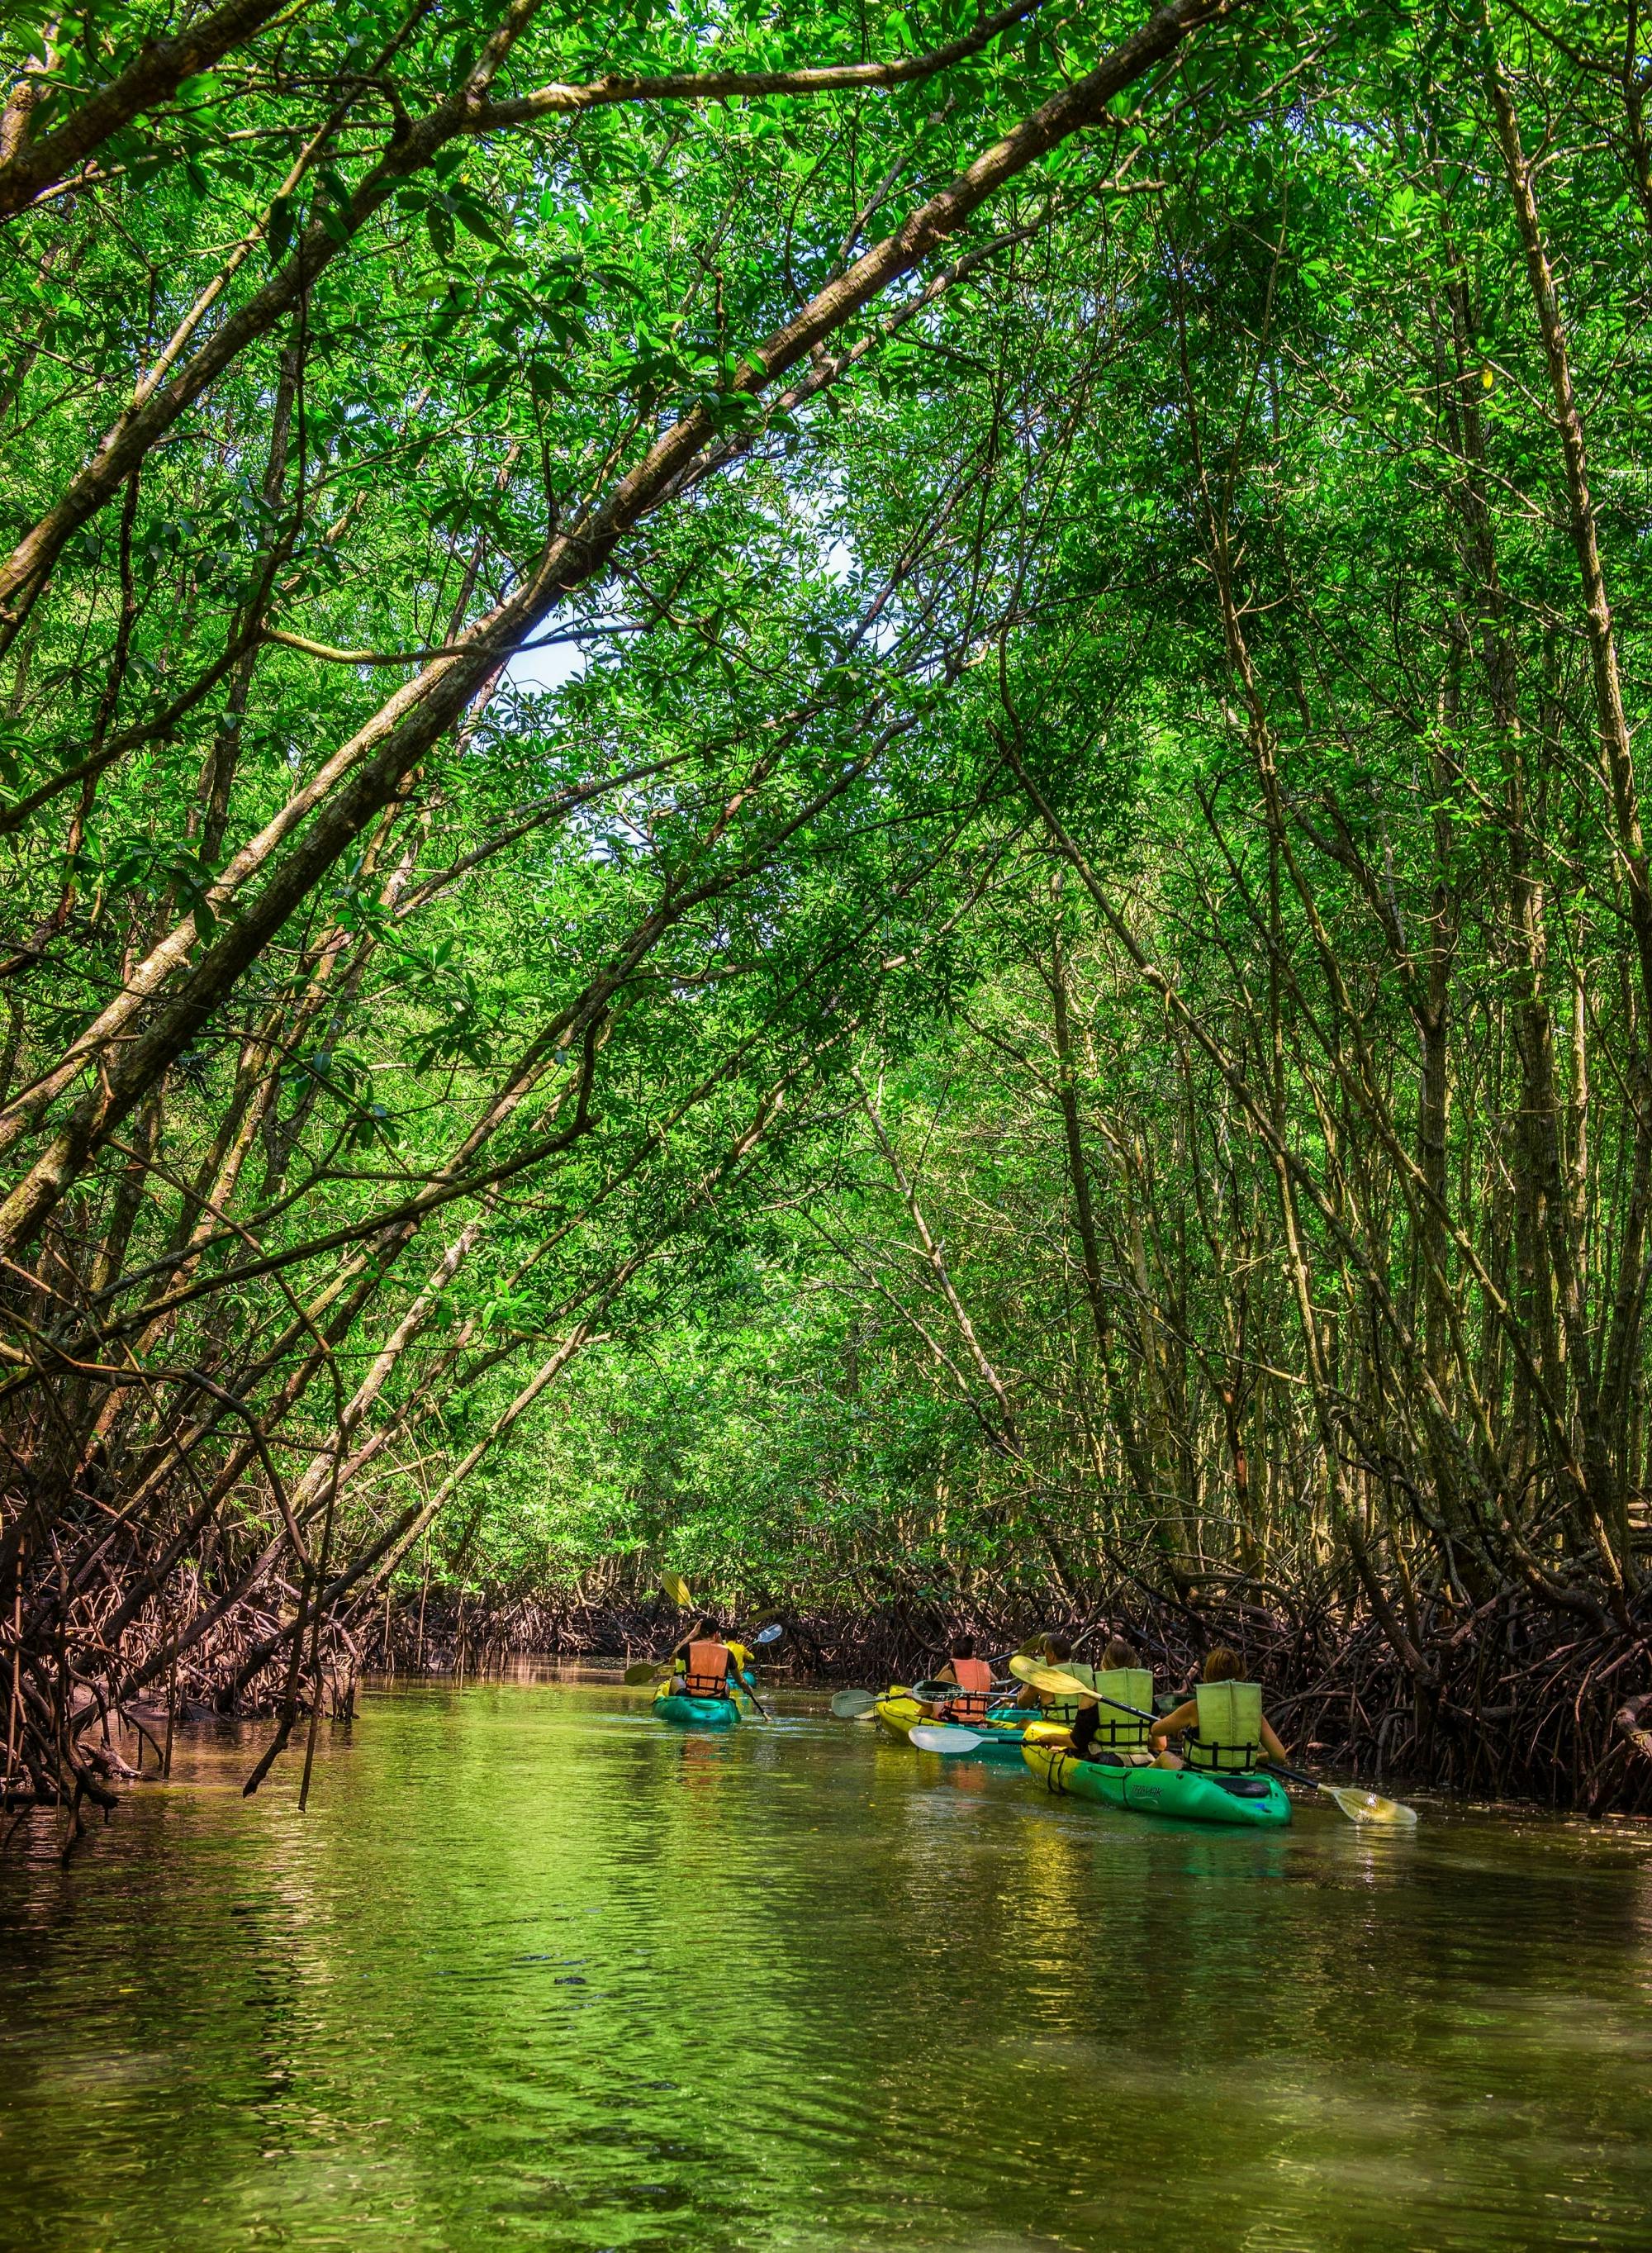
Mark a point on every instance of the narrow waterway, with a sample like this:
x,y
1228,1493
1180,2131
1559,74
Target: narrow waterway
x,y
534,1970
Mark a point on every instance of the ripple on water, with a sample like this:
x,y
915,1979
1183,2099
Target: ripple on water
x,y
534,1969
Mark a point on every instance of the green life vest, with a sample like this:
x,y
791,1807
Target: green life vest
x,y
1228,1735
1116,1732
1066,1709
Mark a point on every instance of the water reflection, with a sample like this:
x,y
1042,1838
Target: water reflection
x,y
536,1969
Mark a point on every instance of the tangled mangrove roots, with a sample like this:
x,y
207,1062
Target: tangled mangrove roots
x,y
1519,1708
82,1664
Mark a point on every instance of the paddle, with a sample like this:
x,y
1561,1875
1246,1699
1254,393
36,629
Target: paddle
x,y
655,1670
649,1670
1051,1679
945,1737
1358,1806
645,1670
760,1641
744,1682
673,1586
855,1704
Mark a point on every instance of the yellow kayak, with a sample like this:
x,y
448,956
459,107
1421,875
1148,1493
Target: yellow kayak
x,y
899,1712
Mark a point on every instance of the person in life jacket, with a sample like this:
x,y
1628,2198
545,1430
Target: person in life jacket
x,y
708,1667
1222,1727
1055,1650
1101,1732
974,1679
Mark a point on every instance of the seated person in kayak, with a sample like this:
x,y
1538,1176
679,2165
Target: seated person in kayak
x,y
974,1679
1100,1731
1055,1650
1222,1726
707,1667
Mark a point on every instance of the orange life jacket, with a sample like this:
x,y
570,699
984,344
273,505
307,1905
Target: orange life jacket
x,y
706,1671
975,1681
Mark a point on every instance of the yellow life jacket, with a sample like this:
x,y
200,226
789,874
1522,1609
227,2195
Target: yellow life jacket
x,y
1116,1732
1229,1732
1066,1709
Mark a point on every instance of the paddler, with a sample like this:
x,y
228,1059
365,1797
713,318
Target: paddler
x,y
974,1679
1055,1650
741,1652
1222,1726
706,1666
1100,1731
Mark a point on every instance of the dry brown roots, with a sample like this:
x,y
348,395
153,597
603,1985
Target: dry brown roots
x,y
1520,1705
1516,1706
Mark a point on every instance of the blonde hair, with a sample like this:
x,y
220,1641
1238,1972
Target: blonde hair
x,y
1118,1656
1223,1665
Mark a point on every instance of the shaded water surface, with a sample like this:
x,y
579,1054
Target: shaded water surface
x,y
533,1971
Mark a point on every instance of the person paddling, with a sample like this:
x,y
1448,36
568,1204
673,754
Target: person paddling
x,y
1222,1726
1055,1650
708,1667
974,1679
1101,1732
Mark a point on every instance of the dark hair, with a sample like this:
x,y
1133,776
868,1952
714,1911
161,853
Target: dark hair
x,y
1117,1655
1223,1665
963,1646
1056,1646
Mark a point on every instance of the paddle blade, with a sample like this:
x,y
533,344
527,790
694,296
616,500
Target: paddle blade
x,y
643,1671
851,1705
767,1634
1050,1679
1370,1806
677,1588
938,1738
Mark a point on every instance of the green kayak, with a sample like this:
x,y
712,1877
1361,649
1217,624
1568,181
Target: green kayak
x,y
695,1712
1183,1794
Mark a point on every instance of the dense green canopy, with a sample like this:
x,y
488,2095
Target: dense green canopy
x,y
848,798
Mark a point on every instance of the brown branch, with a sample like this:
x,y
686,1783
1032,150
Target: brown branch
x,y
735,86
153,77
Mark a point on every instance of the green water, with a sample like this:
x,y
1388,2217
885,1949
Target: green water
x,y
534,1971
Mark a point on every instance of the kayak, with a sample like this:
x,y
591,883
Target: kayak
x,y
899,1712
686,1712
1185,1795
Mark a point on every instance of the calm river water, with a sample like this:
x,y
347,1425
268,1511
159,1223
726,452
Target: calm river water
x,y
534,1970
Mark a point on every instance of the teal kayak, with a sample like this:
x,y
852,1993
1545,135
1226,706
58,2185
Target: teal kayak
x,y
1184,1795
695,1712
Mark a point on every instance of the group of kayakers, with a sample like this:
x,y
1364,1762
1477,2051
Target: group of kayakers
x,y
1221,1728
